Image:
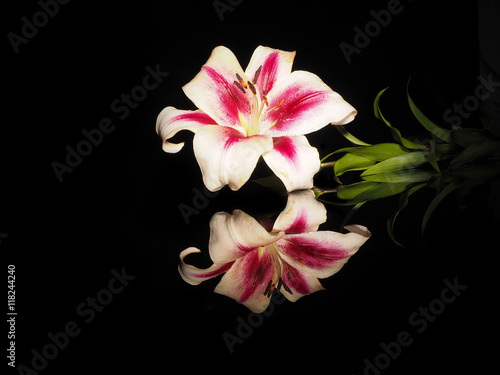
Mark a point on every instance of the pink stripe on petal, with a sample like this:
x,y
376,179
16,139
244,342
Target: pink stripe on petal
x,y
286,147
299,283
195,116
302,103
303,213
299,224
269,72
194,275
294,161
256,273
274,66
313,253
171,120
231,99
296,105
213,89
214,272
323,253
247,280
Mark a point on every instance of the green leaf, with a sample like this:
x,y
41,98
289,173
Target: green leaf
x,y
396,134
439,132
475,151
403,201
350,137
435,202
351,191
404,177
432,157
362,191
465,137
350,162
378,152
406,161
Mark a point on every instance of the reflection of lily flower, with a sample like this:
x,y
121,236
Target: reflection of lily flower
x,y
290,257
262,111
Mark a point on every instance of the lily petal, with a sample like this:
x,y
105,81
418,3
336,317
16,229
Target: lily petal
x,y
274,66
247,280
234,236
226,157
303,213
300,283
194,275
323,253
302,103
172,120
213,90
294,161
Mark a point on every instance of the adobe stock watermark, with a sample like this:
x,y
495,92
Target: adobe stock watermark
x,y
253,321
121,107
31,26
223,6
87,310
363,37
460,111
419,322
199,202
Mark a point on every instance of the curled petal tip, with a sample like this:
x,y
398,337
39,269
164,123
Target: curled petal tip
x,y
358,229
172,148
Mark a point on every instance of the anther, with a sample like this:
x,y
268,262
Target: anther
x,y
257,74
239,86
286,287
269,288
252,87
264,97
279,105
242,83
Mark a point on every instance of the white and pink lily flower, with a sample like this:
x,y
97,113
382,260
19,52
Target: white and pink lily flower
x,y
262,111
290,255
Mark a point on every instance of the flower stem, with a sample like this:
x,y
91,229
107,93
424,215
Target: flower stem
x,y
318,191
327,165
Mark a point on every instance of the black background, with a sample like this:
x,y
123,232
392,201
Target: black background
x,y
119,207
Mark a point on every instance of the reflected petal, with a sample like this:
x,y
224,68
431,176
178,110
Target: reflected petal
x,y
323,253
300,283
247,280
303,213
194,275
234,236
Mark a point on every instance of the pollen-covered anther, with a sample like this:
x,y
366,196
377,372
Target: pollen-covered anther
x,y
241,81
257,74
286,287
269,289
264,97
252,87
238,85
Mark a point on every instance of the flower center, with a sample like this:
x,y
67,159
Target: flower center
x,y
257,103
279,265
